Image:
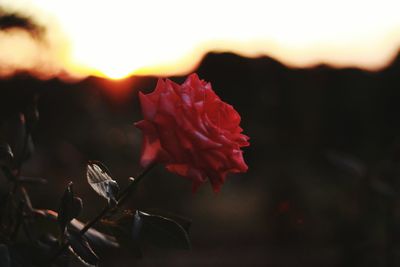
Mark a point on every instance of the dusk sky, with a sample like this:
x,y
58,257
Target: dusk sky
x,y
119,38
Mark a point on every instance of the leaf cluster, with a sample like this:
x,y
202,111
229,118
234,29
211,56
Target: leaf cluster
x,y
40,237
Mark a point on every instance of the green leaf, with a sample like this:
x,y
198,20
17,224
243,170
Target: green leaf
x,y
101,182
160,231
70,207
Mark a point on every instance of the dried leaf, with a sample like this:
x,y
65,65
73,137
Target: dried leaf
x,y
101,182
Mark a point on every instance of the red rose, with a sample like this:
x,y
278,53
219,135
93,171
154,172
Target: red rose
x,y
192,131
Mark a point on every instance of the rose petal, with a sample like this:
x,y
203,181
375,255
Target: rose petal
x,y
151,146
149,108
192,131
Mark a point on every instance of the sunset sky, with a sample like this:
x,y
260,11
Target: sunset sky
x,y
119,38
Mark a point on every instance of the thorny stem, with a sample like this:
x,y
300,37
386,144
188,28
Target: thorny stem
x,y
122,197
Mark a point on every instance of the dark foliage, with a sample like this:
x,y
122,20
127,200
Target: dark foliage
x,y
37,237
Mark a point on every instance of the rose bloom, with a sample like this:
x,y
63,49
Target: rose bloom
x,y
192,131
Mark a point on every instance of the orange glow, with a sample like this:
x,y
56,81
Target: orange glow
x,y
122,37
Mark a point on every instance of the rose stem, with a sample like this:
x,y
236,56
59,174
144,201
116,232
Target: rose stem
x,y
122,197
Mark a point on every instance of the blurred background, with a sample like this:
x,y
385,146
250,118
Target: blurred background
x,y
322,187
